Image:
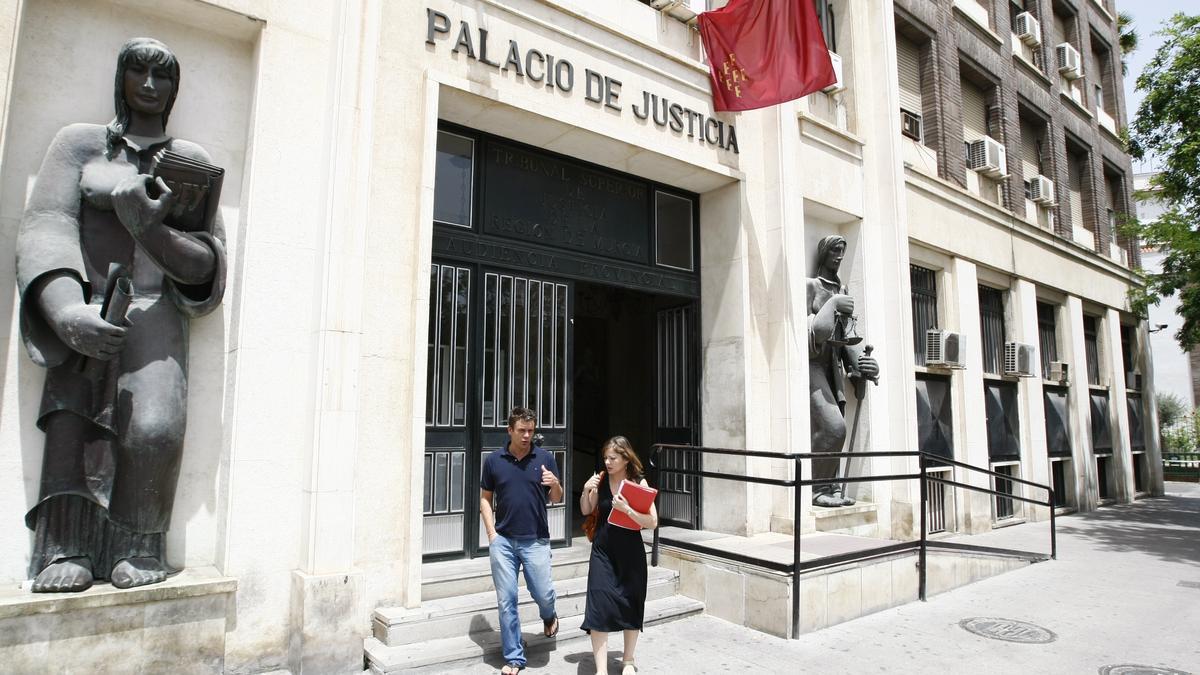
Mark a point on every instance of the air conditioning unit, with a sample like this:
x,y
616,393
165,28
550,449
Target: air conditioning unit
x,y
1041,189
1068,61
1133,380
839,85
986,156
910,124
1028,29
1018,359
1059,372
945,349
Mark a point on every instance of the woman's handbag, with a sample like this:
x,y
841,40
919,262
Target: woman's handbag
x,y
590,522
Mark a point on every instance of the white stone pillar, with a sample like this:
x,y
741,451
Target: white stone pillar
x,y
1118,407
1084,462
10,25
1035,462
970,428
328,616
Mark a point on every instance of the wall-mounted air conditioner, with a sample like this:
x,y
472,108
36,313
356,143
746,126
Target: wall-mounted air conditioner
x,y
1059,372
839,85
1018,359
1028,29
1041,189
1133,380
987,156
944,349
910,124
1068,61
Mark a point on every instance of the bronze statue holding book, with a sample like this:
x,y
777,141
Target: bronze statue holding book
x,y
121,243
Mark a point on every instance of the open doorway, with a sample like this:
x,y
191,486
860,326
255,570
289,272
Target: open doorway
x,y
621,376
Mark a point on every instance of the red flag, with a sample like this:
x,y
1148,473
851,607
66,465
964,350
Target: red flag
x,y
763,52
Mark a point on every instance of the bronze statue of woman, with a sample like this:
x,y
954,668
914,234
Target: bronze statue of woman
x,y
829,356
115,400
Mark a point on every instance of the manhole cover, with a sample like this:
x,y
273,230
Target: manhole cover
x,y
1138,669
1009,630
1190,584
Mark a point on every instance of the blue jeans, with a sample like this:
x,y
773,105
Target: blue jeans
x,y
507,556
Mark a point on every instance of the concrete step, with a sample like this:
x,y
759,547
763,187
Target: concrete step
x,y
464,577
476,612
446,652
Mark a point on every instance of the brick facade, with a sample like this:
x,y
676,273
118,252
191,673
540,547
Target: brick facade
x,y
951,39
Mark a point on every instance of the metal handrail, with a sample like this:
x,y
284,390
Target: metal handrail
x,y
924,460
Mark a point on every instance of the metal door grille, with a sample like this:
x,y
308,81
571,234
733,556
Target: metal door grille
x,y
939,501
444,499
991,327
446,370
924,308
525,350
674,385
679,495
1004,505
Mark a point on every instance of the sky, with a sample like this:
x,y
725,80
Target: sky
x,y
1148,17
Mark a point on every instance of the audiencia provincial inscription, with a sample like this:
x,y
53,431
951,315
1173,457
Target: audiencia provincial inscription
x,y
542,68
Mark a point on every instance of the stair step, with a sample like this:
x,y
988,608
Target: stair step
x,y
463,577
448,651
476,612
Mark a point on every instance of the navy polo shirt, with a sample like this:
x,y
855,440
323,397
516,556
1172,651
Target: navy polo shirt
x,y
518,494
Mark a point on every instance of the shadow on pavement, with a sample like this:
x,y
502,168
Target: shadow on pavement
x,y
1165,527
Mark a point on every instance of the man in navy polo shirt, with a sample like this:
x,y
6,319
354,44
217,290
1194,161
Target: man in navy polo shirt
x,y
521,478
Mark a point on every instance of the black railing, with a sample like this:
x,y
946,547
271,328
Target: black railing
x,y
797,566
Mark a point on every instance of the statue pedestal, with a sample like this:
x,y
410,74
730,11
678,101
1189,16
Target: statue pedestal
x,y
860,520
178,625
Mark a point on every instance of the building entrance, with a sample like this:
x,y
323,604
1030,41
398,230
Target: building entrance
x,y
562,287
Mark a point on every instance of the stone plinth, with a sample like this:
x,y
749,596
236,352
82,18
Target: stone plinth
x,y
177,626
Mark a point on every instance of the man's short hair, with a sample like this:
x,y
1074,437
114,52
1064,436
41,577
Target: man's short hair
x,y
520,414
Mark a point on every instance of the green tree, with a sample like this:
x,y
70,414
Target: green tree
x,y
1165,129
1127,40
1171,409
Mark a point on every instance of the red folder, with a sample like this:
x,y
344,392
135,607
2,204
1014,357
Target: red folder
x,y
639,497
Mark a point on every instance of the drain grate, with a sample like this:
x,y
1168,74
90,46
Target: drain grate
x,y
1009,630
1138,669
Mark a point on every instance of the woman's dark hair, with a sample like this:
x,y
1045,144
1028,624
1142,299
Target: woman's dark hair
x,y
139,50
622,446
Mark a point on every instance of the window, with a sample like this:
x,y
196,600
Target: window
x,y
1047,335
1101,430
1035,162
991,328
1070,83
1005,505
1003,419
912,103
446,368
673,231
1058,421
453,179
1091,346
935,430
825,17
1114,202
1128,344
1060,472
1030,51
924,308
1104,83
975,117
1083,228
1137,436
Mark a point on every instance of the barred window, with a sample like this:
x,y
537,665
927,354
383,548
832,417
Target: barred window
x,y
924,308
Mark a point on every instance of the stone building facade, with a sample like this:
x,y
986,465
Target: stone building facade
x,y
401,174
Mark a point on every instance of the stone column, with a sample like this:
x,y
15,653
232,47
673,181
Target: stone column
x,y
1118,408
10,24
970,431
1075,353
1035,462
328,616
1154,477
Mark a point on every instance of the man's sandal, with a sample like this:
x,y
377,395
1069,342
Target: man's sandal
x,y
627,668
512,668
547,623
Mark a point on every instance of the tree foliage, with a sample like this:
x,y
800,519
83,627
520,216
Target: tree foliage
x,y
1128,38
1165,129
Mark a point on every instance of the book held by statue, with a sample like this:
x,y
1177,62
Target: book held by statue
x,y
197,188
639,497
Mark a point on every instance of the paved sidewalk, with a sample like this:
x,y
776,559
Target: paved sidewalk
x,y
1125,590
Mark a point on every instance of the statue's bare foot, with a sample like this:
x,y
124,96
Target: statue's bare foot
x,y
69,575
132,572
827,500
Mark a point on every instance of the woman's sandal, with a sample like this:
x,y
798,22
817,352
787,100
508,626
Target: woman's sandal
x,y
546,624
627,668
512,668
